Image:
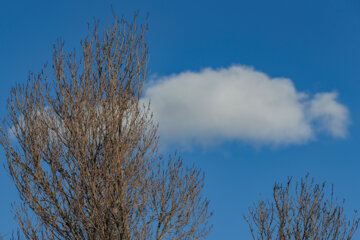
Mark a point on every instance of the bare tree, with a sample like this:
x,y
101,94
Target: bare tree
x,y
300,213
81,148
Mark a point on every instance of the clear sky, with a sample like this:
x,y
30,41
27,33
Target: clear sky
x,y
251,92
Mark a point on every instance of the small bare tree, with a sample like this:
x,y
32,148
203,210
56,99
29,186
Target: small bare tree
x,y
81,148
303,213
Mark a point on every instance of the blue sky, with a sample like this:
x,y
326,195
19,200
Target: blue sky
x,y
263,89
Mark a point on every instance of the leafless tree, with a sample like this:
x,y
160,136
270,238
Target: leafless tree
x,y
81,148
301,213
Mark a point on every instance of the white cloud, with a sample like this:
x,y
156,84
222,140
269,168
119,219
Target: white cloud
x,y
240,103
331,115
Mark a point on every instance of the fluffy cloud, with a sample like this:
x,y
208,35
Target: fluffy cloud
x,y
240,103
331,115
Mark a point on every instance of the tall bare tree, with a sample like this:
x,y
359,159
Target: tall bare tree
x,y
300,213
81,148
